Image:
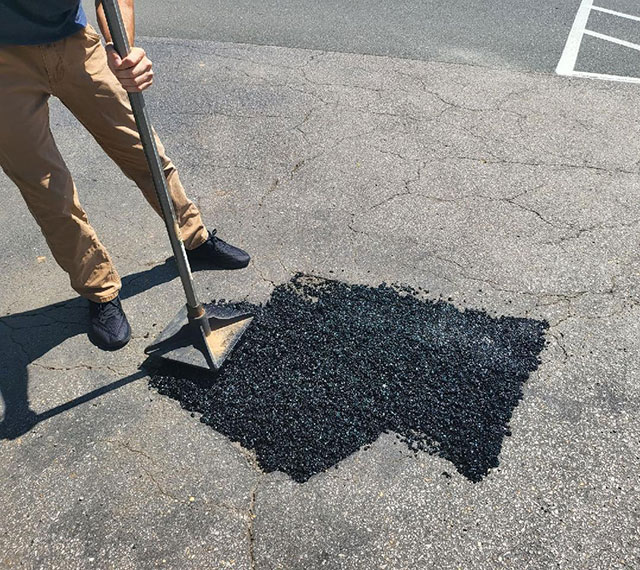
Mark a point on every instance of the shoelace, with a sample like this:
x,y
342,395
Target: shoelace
x,y
106,311
219,245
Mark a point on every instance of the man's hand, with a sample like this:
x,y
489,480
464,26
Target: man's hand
x,y
134,71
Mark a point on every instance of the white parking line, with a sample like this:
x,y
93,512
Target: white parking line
x,y
614,13
566,65
567,62
612,39
605,77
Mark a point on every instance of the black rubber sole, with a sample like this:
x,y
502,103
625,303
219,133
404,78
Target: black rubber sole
x,y
200,265
109,347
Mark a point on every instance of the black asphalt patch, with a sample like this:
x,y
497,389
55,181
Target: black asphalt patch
x,y
326,367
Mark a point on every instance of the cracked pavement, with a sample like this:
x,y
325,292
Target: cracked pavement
x,y
510,191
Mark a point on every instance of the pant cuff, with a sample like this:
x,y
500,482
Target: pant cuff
x,y
101,297
198,240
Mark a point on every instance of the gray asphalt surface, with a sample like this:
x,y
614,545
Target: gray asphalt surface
x,y
507,34
513,35
527,35
511,191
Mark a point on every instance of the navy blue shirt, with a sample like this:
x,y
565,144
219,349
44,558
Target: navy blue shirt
x,y
28,22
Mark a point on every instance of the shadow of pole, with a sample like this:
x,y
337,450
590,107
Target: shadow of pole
x,y
25,337
90,396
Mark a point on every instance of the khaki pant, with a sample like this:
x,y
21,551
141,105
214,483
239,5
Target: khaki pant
x,y
75,70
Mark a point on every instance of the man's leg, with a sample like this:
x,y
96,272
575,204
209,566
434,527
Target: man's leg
x,y
96,98
29,156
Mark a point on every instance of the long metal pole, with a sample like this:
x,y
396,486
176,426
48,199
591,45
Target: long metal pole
x,y
121,44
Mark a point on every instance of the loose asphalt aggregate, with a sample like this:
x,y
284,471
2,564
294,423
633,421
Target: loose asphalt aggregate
x,y
511,192
326,368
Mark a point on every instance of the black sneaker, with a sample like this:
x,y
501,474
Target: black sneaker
x,y
218,254
110,329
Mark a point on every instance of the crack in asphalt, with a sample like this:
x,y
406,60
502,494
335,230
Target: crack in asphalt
x,y
60,367
251,537
560,165
245,514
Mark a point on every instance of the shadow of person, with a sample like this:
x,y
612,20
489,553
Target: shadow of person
x,y
25,337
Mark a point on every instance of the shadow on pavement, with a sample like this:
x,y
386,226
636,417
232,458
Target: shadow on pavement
x,y
27,336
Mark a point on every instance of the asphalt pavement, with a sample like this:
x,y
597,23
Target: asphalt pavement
x,y
526,35
508,34
498,185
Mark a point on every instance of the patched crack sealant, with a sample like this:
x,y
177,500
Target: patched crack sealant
x,y
326,367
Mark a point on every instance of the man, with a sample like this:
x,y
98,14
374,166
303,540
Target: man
x,y
47,48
